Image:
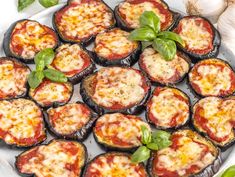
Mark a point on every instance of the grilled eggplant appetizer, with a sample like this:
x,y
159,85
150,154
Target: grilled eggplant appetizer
x,y
168,108
80,21
212,77
128,13
201,38
73,61
25,38
114,164
21,123
214,117
119,131
189,155
58,158
50,93
13,78
114,48
116,89
161,71
71,121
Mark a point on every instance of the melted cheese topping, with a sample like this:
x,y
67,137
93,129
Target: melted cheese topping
x,y
131,12
125,129
20,119
191,151
114,44
49,92
83,20
161,70
166,107
55,159
69,118
30,37
212,79
13,78
115,165
118,85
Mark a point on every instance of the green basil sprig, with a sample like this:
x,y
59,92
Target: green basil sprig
x,y
22,4
42,60
48,3
230,172
151,141
149,34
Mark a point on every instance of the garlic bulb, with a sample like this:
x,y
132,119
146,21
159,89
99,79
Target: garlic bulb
x,y
210,9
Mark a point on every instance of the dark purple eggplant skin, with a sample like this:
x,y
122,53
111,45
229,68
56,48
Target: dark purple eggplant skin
x,y
172,128
86,41
79,135
216,43
103,154
100,110
124,26
26,84
32,174
7,39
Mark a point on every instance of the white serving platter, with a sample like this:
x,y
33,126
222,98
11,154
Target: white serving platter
x,y
7,155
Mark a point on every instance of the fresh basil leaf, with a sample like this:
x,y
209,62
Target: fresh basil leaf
x,y
230,172
140,155
55,75
146,44
142,34
150,19
152,146
34,79
161,138
22,4
40,65
146,135
167,48
46,54
172,36
48,3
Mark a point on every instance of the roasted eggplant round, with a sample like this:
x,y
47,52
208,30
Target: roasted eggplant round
x,y
71,121
25,38
128,13
74,61
21,123
58,158
161,71
116,89
50,93
81,20
119,131
168,108
214,117
114,164
13,78
189,155
212,77
114,48
201,38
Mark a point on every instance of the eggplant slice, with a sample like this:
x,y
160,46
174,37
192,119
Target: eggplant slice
x,y
81,21
189,155
25,38
119,131
13,78
212,77
114,48
116,89
114,164
50,93
214,118
168,108
74,61
161,71
201,38
57,158
128,13
21,123
71,121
